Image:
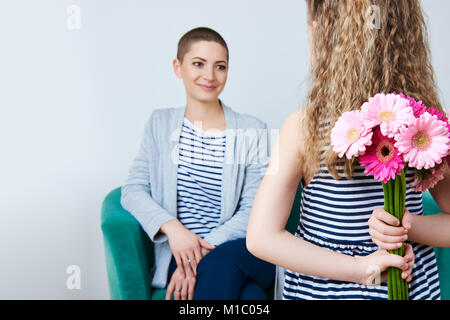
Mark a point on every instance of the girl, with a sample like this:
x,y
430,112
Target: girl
x,y
193,182
332,255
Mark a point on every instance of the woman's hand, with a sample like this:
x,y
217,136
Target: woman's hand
x,y
185,246
386,231
372,269
181,287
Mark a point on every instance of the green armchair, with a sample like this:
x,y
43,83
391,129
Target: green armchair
x,y
129,251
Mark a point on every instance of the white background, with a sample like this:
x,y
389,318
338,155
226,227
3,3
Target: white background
x,y
73,105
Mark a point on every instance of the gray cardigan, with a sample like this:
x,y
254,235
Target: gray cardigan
x,y
150,191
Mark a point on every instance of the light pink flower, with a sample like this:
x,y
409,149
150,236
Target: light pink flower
x,y
382,158
424,143
391,112
426,179
349,136
439,115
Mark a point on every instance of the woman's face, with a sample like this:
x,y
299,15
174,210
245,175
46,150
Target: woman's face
x,y
204,71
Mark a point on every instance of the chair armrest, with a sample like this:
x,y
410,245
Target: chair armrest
x,y
128,251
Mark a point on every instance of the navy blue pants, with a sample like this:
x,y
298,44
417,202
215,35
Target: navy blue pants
x,y
231,272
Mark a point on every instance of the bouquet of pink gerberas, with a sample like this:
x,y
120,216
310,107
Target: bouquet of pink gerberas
x,y
391,133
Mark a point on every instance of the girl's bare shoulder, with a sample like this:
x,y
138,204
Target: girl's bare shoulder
x,y
292,131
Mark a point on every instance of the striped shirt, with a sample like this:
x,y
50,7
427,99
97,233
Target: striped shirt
x,y
199,182
334,215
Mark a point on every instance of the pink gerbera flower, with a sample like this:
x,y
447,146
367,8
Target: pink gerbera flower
x,y
426,179
424,143
391,112
418,107
439,115
382,158
349,136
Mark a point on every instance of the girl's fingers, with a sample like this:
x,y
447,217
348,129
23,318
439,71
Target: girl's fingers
x,y
393,260
386,246
387,229
387,238
386,217
407,219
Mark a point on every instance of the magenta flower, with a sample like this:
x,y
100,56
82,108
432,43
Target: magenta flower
x,y
418,107
426,179
382,158
391,112
424,143
349,136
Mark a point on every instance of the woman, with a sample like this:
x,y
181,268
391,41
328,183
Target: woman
x,y
193,182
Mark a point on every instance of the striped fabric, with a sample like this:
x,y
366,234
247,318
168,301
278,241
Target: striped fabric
x,y
201,156
334,215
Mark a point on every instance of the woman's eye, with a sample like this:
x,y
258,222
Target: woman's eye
x,y
220,67
197,64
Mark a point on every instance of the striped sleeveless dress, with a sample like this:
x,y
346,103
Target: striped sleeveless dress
x,y
199,178
334,215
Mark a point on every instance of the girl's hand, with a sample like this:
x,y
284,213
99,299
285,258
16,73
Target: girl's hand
x,y
386,231
372,269
181,287
185,246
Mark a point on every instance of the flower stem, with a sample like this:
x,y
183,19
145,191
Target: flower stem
x,y
394,203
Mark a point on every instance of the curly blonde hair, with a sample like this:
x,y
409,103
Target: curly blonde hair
x,y
355,59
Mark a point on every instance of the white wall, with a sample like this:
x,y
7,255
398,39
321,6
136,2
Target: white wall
x,y
73,104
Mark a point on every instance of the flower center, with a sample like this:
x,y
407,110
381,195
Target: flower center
x,y
385,151
386,116
421,141
352,134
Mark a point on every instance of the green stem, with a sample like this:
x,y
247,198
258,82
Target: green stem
x,y
391,200
397,198
390,293
394,203
394,284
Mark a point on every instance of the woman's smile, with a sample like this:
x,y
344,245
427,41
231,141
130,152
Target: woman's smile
x,y
206,87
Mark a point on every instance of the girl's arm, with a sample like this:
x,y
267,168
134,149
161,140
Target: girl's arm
x,y
266,234
434,230
429,230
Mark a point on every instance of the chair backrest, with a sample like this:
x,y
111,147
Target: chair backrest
x,y
292,223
